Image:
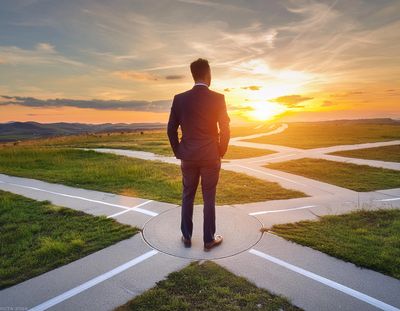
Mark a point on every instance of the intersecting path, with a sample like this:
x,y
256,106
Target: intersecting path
x,y
110,277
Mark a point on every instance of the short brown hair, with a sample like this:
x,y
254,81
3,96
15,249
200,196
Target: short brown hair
x,y
199,68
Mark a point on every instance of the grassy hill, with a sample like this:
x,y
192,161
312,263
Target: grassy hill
x,y
13,131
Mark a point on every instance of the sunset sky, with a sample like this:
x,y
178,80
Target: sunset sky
x,y
97,61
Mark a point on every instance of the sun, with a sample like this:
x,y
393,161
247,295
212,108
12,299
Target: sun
x,y
264,111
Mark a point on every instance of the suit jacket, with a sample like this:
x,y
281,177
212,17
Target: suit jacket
x,y
204,121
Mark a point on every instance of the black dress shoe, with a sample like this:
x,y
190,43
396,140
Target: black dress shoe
x,y
217,241
186,242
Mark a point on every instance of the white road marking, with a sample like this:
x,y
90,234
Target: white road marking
x,y
101,278
135,208
140,210
268,159
269,174
344,289
281,210
387,200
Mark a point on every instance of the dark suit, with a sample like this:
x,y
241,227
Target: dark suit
x,y
202,116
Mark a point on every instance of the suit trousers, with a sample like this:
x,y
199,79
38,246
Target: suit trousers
x,y
192,172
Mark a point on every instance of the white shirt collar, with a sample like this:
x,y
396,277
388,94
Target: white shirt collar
x,y
201,83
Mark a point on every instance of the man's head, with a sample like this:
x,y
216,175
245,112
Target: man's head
x,y
201,71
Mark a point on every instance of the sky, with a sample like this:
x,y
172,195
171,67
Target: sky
x,y
98,61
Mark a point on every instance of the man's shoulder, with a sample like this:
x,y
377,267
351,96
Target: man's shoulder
x,y
216,94
191,91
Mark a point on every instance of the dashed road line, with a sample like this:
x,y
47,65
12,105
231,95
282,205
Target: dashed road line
x,y
281,210
340,287
101,278
140,210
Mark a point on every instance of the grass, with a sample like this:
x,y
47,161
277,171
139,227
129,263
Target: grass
x,y
122,175
351,176
235,152
151,141
315,135
385,153
37,237
207,287
237,131
369,239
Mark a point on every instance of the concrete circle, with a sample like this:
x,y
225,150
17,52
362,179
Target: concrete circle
x,y
240,232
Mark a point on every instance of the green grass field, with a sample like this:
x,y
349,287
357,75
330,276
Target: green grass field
x,y
386,153
206,287
315,135
369,239
151,141
37,237
346,175
134,177
235,152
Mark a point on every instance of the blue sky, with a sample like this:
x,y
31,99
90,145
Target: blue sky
x,y
340,58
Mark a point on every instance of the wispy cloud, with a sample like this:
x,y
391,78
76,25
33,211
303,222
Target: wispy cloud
x,y
129,105
214,4
43,53
135,75
291,101
145,76
327,103
251,87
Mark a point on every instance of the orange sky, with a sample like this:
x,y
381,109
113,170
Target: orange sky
x,y
284,60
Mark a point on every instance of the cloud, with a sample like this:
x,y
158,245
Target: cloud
x,y
212,4
348,94
227,89
174,77
327,103
144,76
135,75
291,101
129,105
240,110
43,53
252,87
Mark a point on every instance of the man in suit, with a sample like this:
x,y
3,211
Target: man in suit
x,y
204,121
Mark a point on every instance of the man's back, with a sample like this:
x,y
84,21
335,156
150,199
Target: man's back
x,y
199,112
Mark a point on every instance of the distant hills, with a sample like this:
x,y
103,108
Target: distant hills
x,y
13,131
361,121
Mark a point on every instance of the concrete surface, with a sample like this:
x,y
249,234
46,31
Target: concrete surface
x,y
308,293
239,230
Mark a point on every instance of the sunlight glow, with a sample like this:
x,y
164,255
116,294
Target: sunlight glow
x,y
263,111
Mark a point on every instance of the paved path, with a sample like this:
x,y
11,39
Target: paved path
x,y
112,276
279,129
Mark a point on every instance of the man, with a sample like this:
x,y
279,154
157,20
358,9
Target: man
x,y
202,116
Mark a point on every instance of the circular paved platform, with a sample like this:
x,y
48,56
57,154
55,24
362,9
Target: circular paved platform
x,y
240,232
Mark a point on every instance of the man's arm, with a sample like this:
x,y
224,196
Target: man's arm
x,y
224,131
172,130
